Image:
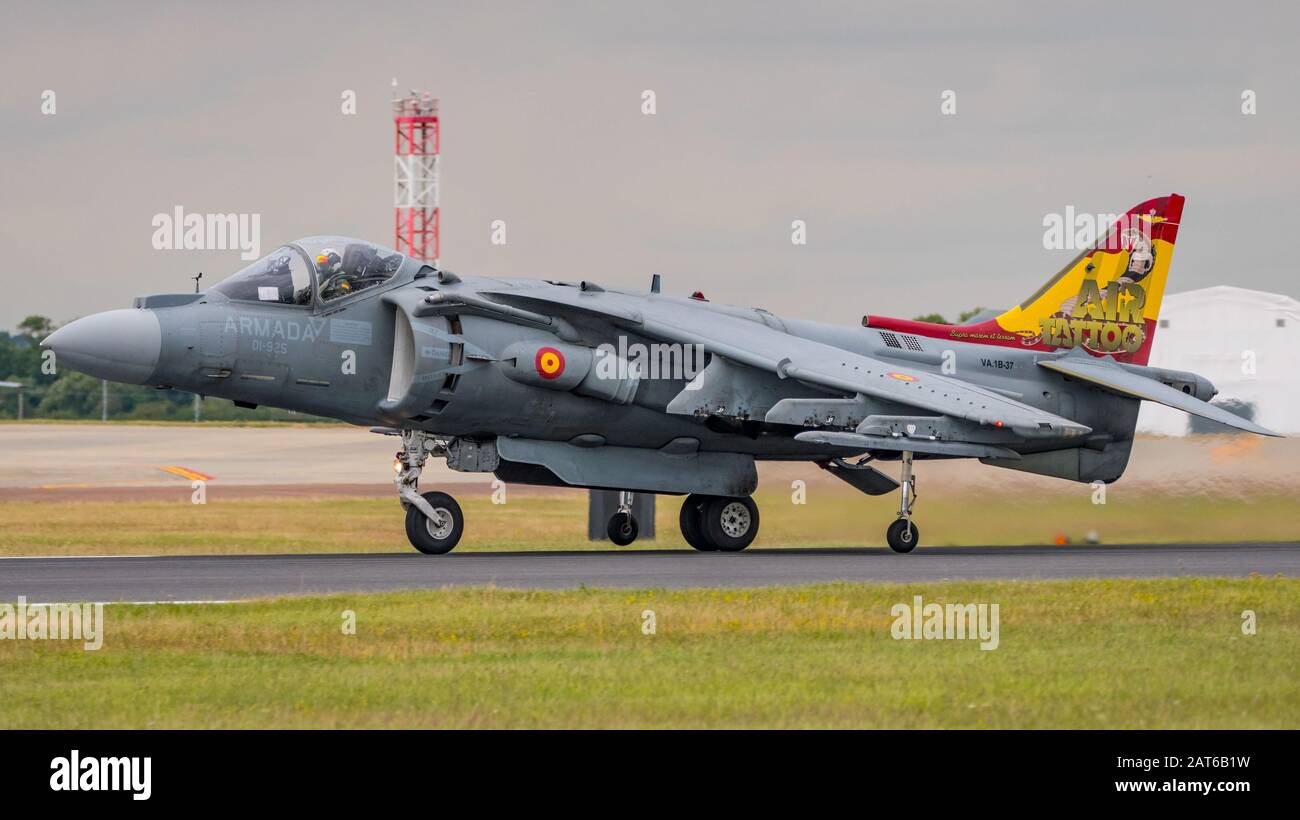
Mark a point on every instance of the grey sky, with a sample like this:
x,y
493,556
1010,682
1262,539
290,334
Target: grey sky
x,y
767,112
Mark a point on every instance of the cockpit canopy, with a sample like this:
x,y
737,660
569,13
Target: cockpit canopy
x,y
331,266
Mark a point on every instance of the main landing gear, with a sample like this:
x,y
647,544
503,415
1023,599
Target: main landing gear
x,y
902,534
434,522
715,523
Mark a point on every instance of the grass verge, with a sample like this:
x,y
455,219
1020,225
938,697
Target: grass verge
x,y
1078,654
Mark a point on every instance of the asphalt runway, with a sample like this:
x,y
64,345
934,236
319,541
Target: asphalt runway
x,y
234,577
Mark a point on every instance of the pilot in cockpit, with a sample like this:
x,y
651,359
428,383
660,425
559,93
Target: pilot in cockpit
x,y
329,272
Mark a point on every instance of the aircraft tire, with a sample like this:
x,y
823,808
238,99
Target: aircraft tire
x,y
903,536
692,523
428,537
622,528
730,524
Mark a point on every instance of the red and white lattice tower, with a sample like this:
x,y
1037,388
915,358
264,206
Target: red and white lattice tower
x,y
415,174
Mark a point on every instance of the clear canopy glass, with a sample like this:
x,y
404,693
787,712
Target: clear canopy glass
x,y
336,266
346,266
281,276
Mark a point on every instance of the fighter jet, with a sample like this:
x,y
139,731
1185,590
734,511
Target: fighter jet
x,y
584,385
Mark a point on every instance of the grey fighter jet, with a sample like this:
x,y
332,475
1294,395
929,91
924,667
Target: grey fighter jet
x,y
584,385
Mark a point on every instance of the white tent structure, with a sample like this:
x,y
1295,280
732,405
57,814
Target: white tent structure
x,y
1246,342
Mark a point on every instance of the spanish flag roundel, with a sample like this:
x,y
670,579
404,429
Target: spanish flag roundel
x,y
550,363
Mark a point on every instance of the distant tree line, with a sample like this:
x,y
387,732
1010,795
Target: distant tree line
x,y
937,318
67,394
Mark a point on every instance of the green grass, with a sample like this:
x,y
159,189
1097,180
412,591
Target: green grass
x,y
1080,654
546,522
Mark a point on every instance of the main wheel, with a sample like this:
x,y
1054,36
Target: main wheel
x,y
730,524
691,520
622,528
435,537
903,536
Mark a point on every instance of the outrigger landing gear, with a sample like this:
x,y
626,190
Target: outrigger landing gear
x,y
715,523
622,528
902,534
434,522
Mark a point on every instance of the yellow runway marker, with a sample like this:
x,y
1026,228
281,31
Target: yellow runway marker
x,y
184,472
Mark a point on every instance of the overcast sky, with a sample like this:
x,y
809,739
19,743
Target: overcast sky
x,y
766,113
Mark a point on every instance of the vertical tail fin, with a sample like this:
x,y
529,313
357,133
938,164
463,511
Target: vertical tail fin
x,y
1107,300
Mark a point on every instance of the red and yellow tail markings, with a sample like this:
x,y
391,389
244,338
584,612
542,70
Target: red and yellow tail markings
x,y
1109,299
1106,301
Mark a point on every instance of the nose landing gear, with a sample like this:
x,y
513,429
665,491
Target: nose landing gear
x,y
434,522
903,535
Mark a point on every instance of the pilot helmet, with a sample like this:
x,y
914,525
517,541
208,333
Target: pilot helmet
x,y
329,261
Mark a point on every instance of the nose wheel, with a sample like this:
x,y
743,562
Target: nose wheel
x,y
903,535
437,534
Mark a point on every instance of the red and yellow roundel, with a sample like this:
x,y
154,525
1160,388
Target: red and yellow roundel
x,y
549,362
902,377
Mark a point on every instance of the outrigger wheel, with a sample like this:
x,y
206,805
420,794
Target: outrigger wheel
x,y
902,535
719,523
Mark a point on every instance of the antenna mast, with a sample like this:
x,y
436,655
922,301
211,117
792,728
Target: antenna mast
x,y
415,174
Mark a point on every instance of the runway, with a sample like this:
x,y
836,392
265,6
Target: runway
x,y
235,577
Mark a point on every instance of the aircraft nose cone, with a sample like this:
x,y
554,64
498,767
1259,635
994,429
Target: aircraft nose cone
x,y
118,345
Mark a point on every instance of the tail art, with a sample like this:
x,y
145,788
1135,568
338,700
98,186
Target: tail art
x,y
1107,300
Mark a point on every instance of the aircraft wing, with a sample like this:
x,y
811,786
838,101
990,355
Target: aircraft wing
x,y
956,449
1106,374
752,343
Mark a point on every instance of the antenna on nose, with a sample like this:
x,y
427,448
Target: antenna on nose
x,y
196,281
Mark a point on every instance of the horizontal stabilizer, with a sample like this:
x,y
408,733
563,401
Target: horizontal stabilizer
x,y
859,442
1108,375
